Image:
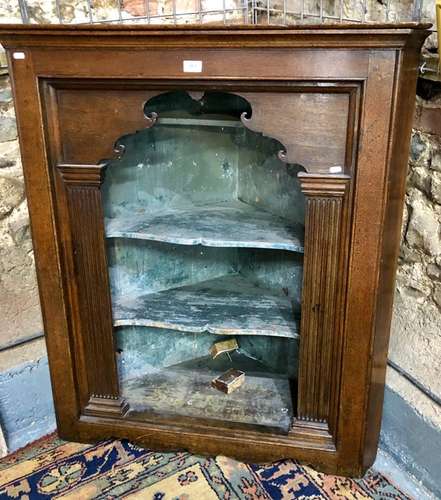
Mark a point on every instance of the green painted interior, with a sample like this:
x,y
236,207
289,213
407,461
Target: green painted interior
x,y
142,350
200,154
139,266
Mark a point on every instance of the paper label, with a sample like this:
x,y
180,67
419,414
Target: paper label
x,y
192,66
335,170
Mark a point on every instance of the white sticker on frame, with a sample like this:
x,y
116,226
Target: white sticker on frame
x,y
192,66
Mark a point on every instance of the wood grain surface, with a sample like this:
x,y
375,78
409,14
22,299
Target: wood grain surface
x,y
80,88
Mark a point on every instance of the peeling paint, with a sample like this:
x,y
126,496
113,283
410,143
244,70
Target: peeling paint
x,y
26,407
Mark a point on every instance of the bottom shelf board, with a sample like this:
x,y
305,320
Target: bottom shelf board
x,y
261,400
229,305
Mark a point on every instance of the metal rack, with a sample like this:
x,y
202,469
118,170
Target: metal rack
x,y
220,11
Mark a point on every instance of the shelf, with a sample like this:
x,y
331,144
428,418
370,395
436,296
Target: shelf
x,y
263,399
227,224
229,305
198,122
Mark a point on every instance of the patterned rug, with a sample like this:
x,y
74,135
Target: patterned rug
x,y
51,468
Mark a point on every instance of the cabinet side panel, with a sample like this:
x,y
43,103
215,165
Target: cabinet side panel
x,y
404,107
39,191
365,258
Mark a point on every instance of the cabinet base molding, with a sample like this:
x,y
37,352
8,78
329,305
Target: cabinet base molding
x,y
99,406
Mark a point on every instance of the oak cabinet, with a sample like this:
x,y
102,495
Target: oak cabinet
x,y
208,198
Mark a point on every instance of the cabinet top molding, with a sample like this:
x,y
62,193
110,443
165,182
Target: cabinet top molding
x,y
367,35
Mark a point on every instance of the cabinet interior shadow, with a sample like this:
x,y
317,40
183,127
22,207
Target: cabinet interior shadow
x,y
204,228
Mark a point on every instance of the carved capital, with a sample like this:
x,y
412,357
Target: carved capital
x,y
323,185
82,175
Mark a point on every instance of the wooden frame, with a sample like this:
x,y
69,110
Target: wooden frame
x,y
352,227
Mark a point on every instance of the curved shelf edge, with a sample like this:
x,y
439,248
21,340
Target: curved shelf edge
x,y
216,243
184,328
229,305
208,225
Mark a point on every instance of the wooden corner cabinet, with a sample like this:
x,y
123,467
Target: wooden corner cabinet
x,y
208,198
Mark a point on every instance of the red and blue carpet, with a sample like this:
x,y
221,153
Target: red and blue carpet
x,y
51,468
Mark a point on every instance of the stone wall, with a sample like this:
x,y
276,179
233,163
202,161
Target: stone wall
x,y
162,11
416,329
19,305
